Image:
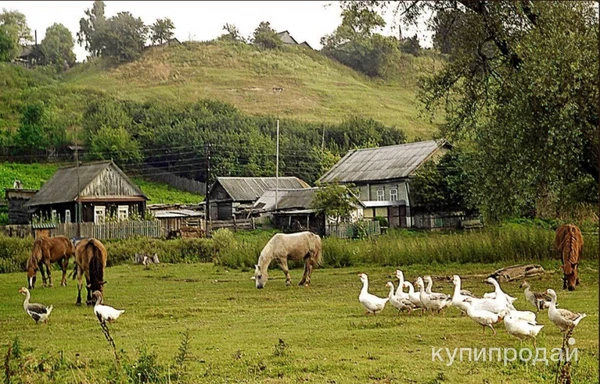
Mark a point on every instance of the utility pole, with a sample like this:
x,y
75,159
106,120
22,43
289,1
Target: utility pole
x,y
277,91
207,210
78,207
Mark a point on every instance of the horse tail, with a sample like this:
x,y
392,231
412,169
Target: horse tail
x,y
318,250
96,266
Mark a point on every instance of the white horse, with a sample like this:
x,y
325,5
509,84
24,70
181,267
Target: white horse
x,y
296,246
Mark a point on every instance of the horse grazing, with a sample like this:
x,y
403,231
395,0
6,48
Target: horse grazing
x,y
295,246
568,243
48,250
90,259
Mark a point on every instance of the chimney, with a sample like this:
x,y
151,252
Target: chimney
x,y
35,33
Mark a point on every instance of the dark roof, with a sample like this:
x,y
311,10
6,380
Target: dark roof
x,y
305,44
28,50
288,199
62,187
382,163
251,188
282,34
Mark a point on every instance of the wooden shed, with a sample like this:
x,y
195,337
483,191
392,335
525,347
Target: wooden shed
x,y
104,191
16,199
231,196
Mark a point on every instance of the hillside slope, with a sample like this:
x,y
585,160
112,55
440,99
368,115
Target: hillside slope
x,y
315,87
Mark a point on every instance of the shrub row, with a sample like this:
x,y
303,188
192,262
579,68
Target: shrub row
x,y
511,244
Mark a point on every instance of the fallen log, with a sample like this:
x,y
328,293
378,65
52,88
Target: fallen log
x,y
517,272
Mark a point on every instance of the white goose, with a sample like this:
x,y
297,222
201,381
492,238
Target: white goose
x,y
520,328
414,297
430,302
495,305
398,302
105,312
372,303
38,312
400,277
458,297
539,300
562,318
483,317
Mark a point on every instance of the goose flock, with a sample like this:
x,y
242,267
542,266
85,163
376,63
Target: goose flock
x,y
40,312
486,311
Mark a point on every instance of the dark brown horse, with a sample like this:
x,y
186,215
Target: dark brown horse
x,y
90,259
48,250
569,243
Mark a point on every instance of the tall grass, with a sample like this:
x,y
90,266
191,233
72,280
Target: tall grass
x,y
510,244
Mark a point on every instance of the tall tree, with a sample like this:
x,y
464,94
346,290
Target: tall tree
x,y
232,33
125,37
18,22
8,45
355,43
58,45
92,29
520,86
162,31
266,37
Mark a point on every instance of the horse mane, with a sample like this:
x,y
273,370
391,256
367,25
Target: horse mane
x,y
569,243
266,255
97,261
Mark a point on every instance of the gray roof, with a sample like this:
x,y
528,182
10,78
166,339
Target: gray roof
x,y
288,199
251,188
62,187
382,163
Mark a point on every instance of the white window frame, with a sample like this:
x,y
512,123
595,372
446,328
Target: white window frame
x,y
123,212
394,194
381,194
53,215
67,215
99,214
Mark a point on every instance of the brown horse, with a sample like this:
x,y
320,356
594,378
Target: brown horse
x,y
90,259
569,243
295,246
48,250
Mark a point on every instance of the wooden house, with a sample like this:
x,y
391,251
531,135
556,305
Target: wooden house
x,y
382,176
235,196
30,56
103,189
294,211
288,39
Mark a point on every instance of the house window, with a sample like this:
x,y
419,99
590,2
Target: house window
x,y
123,212
394,194
67,216
380,195
99,214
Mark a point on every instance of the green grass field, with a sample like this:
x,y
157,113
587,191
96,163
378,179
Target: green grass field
x,y
316,88
327,338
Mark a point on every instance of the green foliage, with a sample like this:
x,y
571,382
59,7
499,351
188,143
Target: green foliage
x,y
162,30
57,46
232,34
411,45
38,130
335,201
445,185
93,28
17,22
8,45
265,37
146,368
114,144
355,44
125,37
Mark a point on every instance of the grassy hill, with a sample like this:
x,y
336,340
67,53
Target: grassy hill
x,y
34,175
316,88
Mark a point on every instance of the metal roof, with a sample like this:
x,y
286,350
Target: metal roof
x,y
288,199
62,186
176,213
251,188
382,163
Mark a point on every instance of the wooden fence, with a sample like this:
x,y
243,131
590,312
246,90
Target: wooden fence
x,y
117,230
234,225
350,230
